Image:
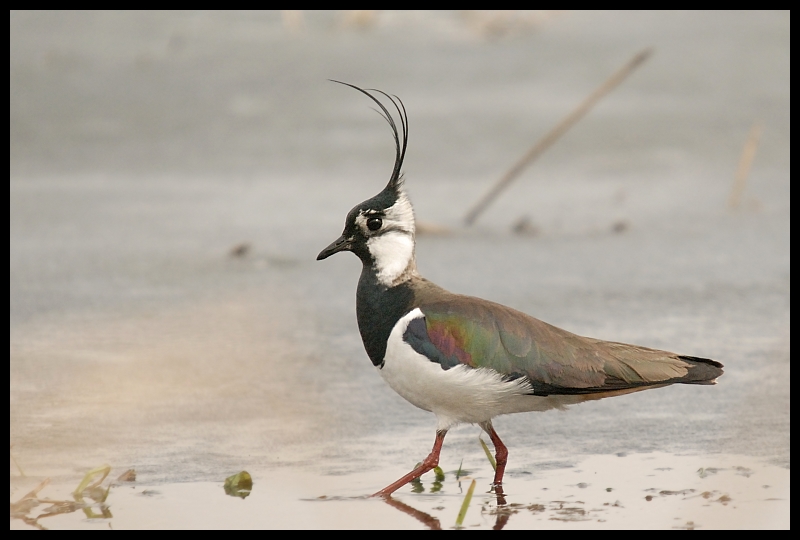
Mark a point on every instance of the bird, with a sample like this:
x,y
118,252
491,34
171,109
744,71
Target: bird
x,y
466,359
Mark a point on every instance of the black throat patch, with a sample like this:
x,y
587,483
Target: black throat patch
x,y
378,308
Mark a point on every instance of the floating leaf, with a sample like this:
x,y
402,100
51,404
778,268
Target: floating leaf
x,y
239,485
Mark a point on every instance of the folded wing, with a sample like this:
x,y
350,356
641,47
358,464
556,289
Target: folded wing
x,y
482,334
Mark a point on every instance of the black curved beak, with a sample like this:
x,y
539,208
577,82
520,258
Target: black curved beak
x,y
340,244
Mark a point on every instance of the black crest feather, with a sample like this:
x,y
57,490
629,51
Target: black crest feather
x,y
396,180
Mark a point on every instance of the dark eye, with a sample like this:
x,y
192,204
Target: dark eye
x,y
374,223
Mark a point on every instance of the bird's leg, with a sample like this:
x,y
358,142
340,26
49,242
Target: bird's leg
x,y
500,456
427,464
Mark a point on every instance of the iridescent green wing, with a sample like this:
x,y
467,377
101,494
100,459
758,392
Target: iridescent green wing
x,y
481,334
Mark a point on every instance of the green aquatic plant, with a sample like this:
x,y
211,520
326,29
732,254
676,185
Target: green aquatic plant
x,y
465,505
87,479
438,481
94,491
488,454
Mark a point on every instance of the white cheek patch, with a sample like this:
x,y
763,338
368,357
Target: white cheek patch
x,y
401,214
392,252
392,246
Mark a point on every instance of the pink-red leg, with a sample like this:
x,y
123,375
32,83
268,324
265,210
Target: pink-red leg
x,y
427,465
500,454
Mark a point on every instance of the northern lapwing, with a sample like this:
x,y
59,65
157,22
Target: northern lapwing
x,y
466,359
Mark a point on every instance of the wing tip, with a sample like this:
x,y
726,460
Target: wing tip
x,y
702,370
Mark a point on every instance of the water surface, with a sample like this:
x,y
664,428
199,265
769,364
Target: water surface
x,y
146,148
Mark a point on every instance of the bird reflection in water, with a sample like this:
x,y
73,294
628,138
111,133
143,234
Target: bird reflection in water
x,y
502,511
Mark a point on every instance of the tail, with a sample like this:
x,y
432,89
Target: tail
x,y
701,371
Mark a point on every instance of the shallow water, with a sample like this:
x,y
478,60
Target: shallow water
x,y
145,147
642,491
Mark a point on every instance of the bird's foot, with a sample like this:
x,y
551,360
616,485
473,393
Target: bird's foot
x,y
499,493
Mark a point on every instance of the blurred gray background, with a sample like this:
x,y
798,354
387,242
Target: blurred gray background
x,y
173,176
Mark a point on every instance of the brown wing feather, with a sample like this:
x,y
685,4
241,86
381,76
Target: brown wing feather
x,y
486,334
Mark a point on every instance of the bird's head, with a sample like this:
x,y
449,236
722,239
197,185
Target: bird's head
x,y
380,230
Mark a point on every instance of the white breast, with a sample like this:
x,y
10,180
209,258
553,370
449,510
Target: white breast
x,y
459,394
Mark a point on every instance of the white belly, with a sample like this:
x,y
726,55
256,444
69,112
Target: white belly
x,y
459,394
